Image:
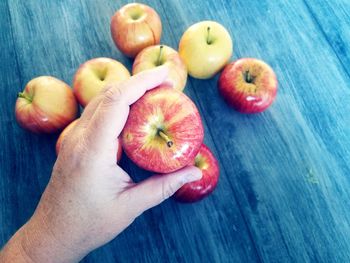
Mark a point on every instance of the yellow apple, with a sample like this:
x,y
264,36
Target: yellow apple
x,y
155,56
205,47
94,75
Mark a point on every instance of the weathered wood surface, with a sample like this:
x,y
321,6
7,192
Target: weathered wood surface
x,y
283,194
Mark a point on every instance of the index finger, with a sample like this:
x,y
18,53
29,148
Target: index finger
x,y
132,89
140,83
112,113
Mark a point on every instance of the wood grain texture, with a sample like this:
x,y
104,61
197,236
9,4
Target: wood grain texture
x,y
283,192
20,162
152,237
334,23
289,165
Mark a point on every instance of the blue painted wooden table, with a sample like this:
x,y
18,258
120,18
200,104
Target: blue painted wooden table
x,y
283,194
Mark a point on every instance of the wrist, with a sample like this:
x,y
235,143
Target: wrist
x,y
13,250
40,244
34,242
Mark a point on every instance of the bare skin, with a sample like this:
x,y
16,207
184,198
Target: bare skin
x,y
89,199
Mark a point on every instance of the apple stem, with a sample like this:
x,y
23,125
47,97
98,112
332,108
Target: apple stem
x,y
165,138
24,96
159,55
208,36
248,77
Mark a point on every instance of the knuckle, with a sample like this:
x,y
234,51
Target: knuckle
x,y
106,88
113,95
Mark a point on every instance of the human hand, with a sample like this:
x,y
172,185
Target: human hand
x,y
90,199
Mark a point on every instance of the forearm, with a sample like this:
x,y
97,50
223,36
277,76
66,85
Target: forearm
x,y
33,243
13,250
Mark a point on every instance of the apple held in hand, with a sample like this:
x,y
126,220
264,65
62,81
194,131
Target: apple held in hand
x,y
205,47
158,55
163,132
46,105
249,85
197,190
134,27
94,75
70,127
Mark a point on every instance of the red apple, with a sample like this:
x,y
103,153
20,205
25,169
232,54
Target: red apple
x,y
134,27
163,132
249,85
69,128
94,75
155,56
197,190
46,105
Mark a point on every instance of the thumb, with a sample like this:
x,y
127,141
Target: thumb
x,y
158,188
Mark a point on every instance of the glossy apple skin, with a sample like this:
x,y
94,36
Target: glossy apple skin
x,y
204,60
67,131
94,75
174,113
247,97
134,27
197,190
49,105
148,59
